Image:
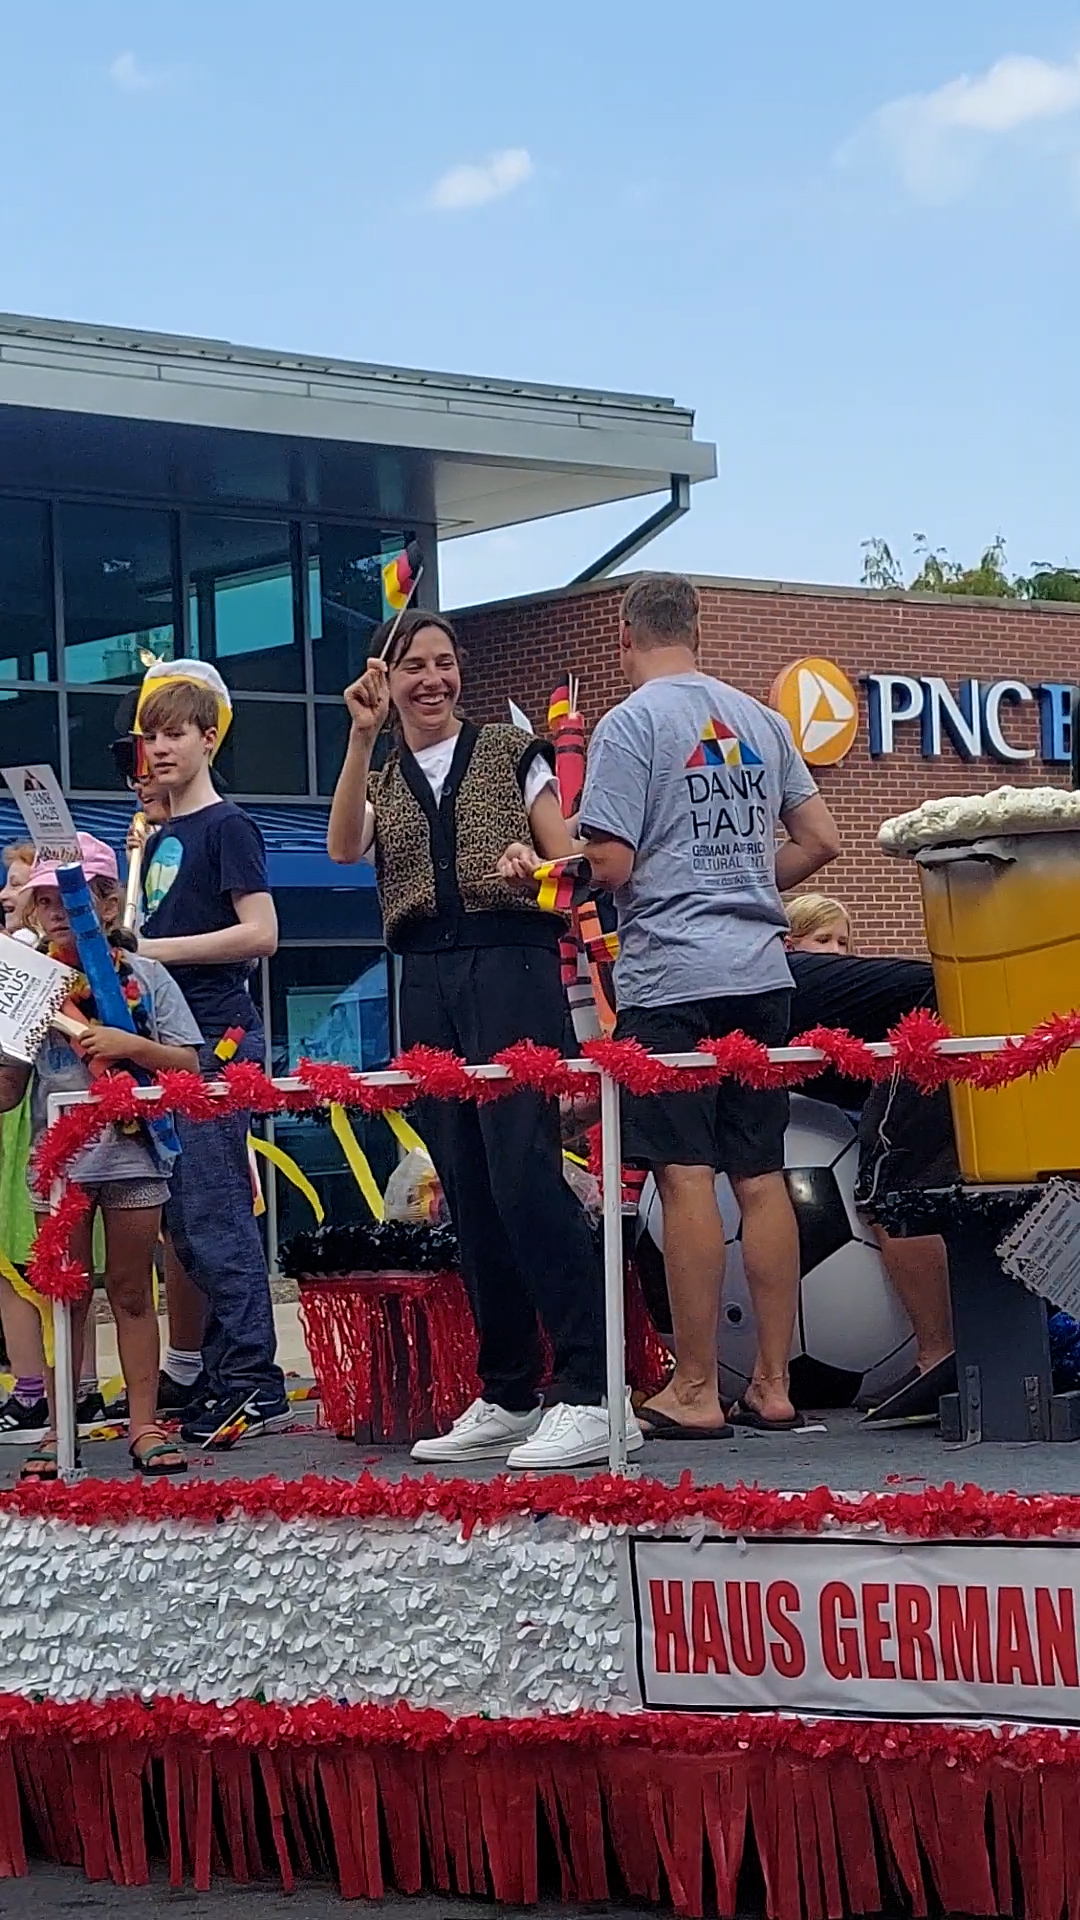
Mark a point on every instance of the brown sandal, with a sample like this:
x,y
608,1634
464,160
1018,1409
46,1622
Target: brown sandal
x,y
42,1464
152,1462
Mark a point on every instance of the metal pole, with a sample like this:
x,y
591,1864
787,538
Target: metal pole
x,y
614,1318
63,1371
270,1176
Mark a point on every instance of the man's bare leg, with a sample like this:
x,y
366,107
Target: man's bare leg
x,y
919,1270
694,1260
770,1244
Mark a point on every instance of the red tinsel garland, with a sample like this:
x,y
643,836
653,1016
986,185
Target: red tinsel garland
x,y
949,1512
257,1723
441,1076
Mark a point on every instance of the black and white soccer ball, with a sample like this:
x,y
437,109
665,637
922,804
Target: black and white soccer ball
x,y
852,1336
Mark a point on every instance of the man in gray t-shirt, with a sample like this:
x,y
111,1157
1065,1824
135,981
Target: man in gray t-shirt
x,y
689,782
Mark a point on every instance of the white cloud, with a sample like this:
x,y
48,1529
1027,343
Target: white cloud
x,y
473,186
127,74
938,140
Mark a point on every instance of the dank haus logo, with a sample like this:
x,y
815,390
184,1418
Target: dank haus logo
x,y
970,716
725,785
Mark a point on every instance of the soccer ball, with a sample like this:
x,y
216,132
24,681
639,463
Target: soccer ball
x,y
852,1336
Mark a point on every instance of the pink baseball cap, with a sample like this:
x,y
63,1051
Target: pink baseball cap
x,y
98,863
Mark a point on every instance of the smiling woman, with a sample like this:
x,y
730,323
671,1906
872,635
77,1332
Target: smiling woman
x,y
480,970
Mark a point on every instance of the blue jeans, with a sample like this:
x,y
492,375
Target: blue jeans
x,y
216,1235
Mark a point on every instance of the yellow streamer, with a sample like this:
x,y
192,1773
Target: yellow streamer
x,y
280,1159
26,1292
357,1159
405,1135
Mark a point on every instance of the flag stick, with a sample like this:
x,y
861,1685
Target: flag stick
x,y
389,641
134,875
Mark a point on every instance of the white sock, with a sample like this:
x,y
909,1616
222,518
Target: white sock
x,y
183,1368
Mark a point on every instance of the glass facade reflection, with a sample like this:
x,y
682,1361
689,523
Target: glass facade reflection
x,y
27,638
330,1003
240,592
92,593
119,593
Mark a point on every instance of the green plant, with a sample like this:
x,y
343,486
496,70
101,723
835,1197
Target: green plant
x,y
935,572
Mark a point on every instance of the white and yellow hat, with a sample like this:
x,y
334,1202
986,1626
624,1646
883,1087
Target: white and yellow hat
x,y
195,673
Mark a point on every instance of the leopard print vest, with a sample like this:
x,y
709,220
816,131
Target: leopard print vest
x,y
434,864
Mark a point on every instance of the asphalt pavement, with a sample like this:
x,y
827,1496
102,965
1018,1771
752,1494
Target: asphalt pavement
x,y
50,1893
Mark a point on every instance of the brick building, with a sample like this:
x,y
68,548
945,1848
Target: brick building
x,y
753,629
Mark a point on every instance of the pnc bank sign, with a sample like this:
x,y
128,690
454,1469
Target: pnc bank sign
x,y
969,716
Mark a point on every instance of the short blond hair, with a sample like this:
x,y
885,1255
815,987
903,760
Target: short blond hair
x,y
811,913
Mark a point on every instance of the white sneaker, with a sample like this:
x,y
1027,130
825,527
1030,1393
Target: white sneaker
x,y
482,1432
570,1436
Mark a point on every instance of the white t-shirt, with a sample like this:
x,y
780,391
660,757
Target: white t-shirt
x,y
435,763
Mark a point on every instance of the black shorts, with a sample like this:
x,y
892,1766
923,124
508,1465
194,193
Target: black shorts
x,y
735,1129
906,1140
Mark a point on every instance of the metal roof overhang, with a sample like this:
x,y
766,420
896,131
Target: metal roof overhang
x,y
478,453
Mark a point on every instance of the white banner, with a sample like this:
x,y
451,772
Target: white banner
x,y
32,989
903,1630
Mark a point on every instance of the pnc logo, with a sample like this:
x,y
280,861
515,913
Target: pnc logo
x,y
820,706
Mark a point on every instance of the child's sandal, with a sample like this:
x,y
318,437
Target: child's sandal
x,y
42,1464
159,1461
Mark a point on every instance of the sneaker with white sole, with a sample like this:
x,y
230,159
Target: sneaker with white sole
x,y
570,1436
23,1424
483,1432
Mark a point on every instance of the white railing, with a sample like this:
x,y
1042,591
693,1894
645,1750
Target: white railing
x,y
611,1165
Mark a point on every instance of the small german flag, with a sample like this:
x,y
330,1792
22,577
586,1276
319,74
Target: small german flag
x,y
400,575
559,705
603,948
563,884
227,1045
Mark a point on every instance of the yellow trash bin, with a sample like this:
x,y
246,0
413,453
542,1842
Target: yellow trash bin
x,y
1002,913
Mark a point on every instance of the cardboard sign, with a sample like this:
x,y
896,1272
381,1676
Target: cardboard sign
x,y
45,811
1042,1251
32,989
877,1629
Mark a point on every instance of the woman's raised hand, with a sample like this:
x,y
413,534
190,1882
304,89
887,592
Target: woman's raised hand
x,y
368,699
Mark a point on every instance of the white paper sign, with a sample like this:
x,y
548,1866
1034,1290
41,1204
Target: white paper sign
x,y
43,807
32,989
904,1630
1042,1251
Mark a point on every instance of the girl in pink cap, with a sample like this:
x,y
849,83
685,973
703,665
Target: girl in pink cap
x,y
117,1170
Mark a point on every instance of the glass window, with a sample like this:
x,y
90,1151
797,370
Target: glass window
x,y
347,602
240,596
119,600
265,749
27,650
29,729
91,727
329,1003
331,734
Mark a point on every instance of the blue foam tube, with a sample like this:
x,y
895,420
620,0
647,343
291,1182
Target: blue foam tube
x,y
112,1009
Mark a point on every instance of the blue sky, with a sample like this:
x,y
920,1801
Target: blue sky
x,y
847,234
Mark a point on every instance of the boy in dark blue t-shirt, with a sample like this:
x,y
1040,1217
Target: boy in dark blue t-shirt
x,y
209,918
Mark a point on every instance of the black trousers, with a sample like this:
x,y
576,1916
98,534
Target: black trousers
x,y
526,1250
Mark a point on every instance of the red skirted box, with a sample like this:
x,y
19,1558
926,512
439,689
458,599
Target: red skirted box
x,y
830,1819
395,1353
